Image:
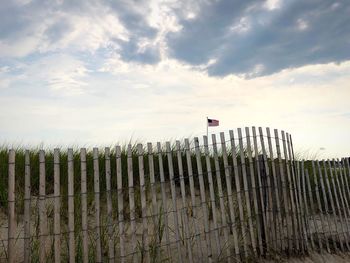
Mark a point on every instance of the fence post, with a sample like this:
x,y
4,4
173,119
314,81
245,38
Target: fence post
x,y
27,203
84,223
11,250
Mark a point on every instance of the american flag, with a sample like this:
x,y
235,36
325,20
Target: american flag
x,y
213,123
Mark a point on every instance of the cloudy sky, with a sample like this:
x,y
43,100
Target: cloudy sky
x,y
87,72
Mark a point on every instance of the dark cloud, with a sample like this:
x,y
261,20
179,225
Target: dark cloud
x,y
296,34
242,37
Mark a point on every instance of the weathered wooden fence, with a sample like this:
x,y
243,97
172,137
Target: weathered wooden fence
x,y
237,198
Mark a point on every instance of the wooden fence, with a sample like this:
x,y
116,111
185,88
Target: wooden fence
x,y
237,198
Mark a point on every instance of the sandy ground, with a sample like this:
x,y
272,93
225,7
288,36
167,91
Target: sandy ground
x,y
316,258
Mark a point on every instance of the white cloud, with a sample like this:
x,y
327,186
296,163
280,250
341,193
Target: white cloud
x,y
272,4
302,24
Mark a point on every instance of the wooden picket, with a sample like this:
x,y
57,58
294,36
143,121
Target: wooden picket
x,y
43,231
11,207
84,212
71,206
109,206
224,224
27,203
239,192
98,256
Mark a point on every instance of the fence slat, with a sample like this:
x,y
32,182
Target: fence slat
x,y
254,189
345,184
110,224
284,202
270,207
57,206
120,203
164,199
133,253
184,206
42,208
230,196
27,203
305,204
98,256
195,207
239,193
289,185
325,203
344,203
71,206
174,201
246,191
203,199
335,185
224,224
329,190
300,192
155,212
320,209
11,250
84,222
296,192
261,194
143,202
280,228
212,195
346,175
312,208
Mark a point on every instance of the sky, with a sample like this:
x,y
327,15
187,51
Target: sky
x,y
83,72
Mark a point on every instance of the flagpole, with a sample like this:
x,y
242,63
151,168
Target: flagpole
x,y
207,126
